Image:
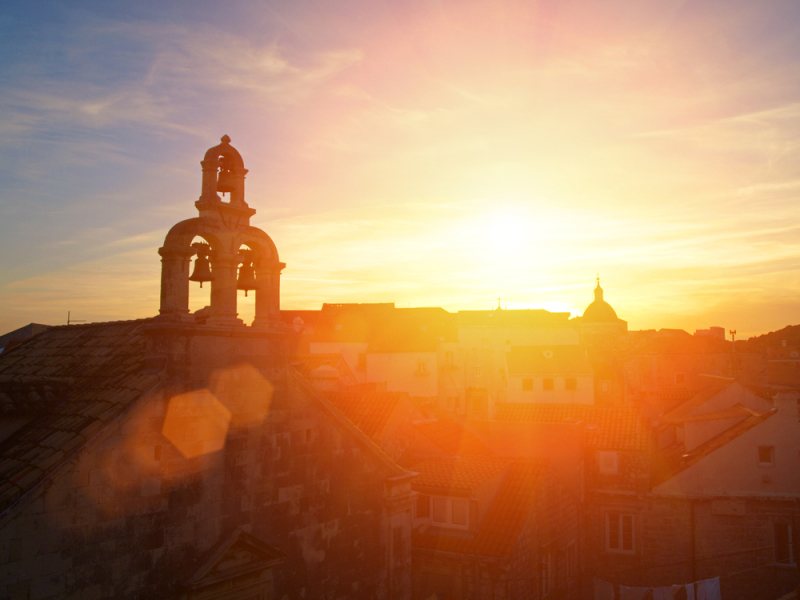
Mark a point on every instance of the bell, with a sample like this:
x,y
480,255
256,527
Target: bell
x,y
202,266
225,181
247,276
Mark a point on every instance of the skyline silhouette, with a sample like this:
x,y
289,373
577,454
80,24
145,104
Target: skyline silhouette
x,y
418,155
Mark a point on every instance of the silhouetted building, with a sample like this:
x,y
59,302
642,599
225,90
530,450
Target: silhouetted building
x,y
182,456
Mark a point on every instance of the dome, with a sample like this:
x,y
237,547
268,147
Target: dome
x,y
599,311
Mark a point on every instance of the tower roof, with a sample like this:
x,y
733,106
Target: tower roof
x,y
599,311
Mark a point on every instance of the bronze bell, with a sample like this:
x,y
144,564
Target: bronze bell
x,y
247,274
225,177
202,266
225,181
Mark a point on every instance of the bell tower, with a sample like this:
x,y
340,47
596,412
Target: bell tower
x,y
225,227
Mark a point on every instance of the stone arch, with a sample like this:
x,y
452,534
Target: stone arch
x,y
268,275
176,254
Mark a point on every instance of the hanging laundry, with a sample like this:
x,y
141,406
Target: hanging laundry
x,y
683,592
603,590
662,593
635,593
708,589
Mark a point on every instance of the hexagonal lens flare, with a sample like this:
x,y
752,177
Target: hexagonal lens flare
x,y
196,423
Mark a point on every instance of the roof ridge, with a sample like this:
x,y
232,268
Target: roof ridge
x,y
101,323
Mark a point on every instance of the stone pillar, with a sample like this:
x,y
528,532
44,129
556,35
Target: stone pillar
x,y
237,195
175,281
268,294
223,291
208,192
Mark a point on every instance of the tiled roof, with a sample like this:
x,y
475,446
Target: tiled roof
x,y
384,327
607,427
523,360
711,386
306,363
452,437
503,523
369,411
464,474
101,368
673,461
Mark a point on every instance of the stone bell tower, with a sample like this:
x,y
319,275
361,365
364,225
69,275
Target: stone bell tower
x,y
225,227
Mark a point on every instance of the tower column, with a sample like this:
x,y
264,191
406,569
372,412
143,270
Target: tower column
x,y
223,291
268,295
208,192
175,281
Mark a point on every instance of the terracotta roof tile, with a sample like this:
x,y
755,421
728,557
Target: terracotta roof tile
x,y
464,474
607,427
452,437
306,363
98,367
369,411
505,519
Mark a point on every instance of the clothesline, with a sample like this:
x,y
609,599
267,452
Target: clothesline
x,y
706,589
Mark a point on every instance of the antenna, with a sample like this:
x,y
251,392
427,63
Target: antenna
x,y
71,321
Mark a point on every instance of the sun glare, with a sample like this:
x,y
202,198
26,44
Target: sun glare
x,y
507,233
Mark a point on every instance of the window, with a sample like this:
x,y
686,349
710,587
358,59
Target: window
x,y
766,456
338,327
449,512
783,543
439,509
485,341
607,462
570,384
423,506
604,386
546,566
527,384
398,545
460,512
547,384
508,342
362,360
619,533
478,371
680,378
449,359
572,560
421,366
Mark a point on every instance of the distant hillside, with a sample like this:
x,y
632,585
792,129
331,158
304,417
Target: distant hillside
x,y
774,339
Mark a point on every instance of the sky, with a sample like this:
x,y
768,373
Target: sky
x,y
427,153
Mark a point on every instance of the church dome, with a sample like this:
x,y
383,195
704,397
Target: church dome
x,y
599,311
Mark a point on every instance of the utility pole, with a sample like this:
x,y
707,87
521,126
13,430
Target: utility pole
x,y
71,321
734,370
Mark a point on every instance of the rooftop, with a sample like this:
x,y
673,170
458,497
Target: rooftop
x,y
607,427
465,474
101,370
504,520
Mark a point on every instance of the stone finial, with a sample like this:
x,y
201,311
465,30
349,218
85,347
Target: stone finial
x,y
225,139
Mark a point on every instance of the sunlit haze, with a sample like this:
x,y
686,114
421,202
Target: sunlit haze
x,y
423,153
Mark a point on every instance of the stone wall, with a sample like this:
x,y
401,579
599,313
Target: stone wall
x,y
680,541
131,516
551,528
